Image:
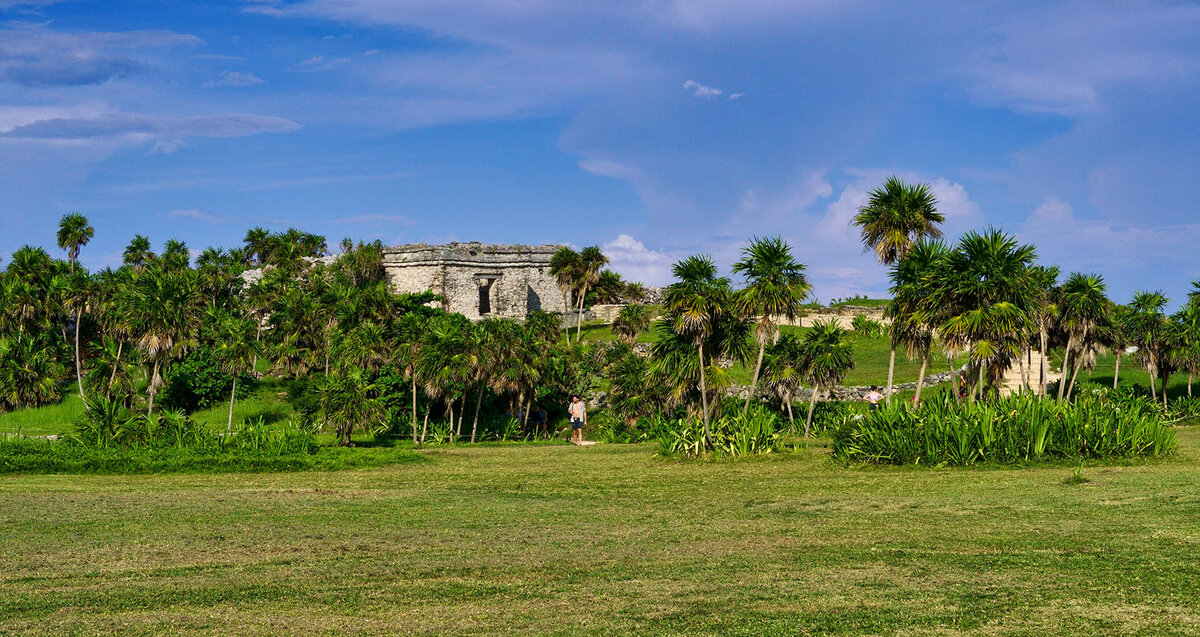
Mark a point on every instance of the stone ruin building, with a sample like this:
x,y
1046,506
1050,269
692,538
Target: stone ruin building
x,y
478,280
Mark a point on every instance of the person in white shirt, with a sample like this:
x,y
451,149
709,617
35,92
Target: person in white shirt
x,y
874,397
578,412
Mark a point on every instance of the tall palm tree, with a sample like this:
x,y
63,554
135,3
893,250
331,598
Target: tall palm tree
x,y
82,288
827,355
138,253
163,317
591,259
1083,305
783,368
1148,326
632,320
176,255
895,217
349,400
258,244
74,232
775,287
913,325
564,267
235,350
695,302
1043,311
1185,325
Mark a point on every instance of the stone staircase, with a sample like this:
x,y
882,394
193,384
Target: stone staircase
x,y
1011,383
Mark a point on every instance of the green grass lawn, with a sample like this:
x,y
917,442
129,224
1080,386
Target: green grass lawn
x,y
558,540
1130,373
267,401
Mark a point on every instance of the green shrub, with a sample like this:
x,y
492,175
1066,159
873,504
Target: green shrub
x,y
863,325
757,432
1009,430
196,382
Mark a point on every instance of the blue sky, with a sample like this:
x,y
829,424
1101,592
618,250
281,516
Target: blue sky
x,y
656,129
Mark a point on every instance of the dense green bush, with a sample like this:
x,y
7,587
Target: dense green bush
x,y
196,382
757,432
1014,429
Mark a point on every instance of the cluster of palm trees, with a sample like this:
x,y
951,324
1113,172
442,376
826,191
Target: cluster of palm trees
x,y
582,282
275,305
707,325
986,298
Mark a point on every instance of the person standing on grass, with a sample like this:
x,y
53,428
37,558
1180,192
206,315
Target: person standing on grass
x,y
578,412
874,397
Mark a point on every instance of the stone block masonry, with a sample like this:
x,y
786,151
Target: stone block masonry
x,y
478,280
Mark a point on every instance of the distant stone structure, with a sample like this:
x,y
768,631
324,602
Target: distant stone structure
x,y
478,280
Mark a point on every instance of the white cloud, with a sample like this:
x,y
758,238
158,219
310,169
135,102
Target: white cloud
x,y
319,63
235,79
635,262
138,126
734,96
699,90
195,214
166,146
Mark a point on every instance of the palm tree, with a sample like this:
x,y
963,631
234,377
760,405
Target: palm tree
x,y
138,253
895,217
1116,336
697,300
913,325
74,232
827,355
631,321
258,244
162,315
235,349
1147,326
1083,305
591,259
350,400
564,267
77,299
176,255
775,287
1185,325
982,289
783,368
1044,311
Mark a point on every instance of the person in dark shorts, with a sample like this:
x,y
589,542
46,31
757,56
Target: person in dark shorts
x,y
873,397
578,413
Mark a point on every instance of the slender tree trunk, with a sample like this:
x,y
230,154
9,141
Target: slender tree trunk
x,y
579,320
1189,384
1074,374
812,402
78,365
1042,366
475,422
113,377
791,417
955,388
1166,379
1021,360
414,406
1153,372
762,347
425,426
462,412
921,377
1066,357
1117,370
154,390
450,408
891,371
982,377
704,395
232,395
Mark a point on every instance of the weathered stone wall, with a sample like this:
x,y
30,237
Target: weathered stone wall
x,y
517,278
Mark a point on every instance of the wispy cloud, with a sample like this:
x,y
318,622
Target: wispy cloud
x,y
195,214
35,56
700,90
319,63
235,79
225,125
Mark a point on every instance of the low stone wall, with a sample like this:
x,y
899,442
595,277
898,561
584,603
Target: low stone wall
x,y
850,393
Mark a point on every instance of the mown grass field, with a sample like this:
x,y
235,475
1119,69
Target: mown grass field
x,y
558,540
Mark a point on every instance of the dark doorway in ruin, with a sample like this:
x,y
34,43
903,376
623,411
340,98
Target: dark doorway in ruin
x,y
485,298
